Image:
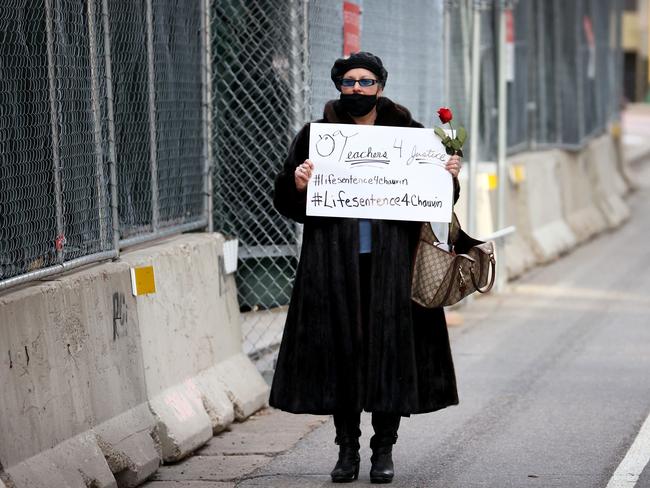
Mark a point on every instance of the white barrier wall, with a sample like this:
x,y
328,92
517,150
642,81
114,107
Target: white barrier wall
x,y
578,181
67,367
556,199
99,385
550,235
610,186
562,199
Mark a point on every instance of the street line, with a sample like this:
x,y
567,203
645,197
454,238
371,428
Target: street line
x,y
571,292
628,472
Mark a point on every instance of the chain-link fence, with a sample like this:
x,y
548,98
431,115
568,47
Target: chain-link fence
x,y
27,171
258,63
415,77
159,120
271,64
102,129
410,42
563,77
54,171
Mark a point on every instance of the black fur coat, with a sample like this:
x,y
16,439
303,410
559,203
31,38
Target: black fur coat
x,y
322,367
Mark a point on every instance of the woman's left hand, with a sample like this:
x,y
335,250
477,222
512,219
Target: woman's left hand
x,y
453,165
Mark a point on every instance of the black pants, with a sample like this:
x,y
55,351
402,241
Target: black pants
x,y
384,424
347,423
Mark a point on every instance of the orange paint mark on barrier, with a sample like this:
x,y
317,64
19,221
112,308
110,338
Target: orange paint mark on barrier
x,y
143,280
180,406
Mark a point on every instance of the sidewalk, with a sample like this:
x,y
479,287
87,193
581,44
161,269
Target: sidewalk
x,y
231,456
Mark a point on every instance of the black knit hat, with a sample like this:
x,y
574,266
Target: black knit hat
x,y
361,59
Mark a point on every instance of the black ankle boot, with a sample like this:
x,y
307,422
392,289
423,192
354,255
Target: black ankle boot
x,y
382,470
385,425
347,467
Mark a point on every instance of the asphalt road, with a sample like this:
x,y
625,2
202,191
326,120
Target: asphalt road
x,y
554,378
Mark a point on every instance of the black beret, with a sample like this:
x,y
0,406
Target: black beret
x,y
361,59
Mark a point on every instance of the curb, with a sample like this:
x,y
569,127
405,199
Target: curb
x,y
236,454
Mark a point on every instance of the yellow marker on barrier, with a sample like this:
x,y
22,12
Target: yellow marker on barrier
x,y
143,281
493,181
517,173
615,130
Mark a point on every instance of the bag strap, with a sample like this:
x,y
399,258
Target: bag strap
x,y
491,283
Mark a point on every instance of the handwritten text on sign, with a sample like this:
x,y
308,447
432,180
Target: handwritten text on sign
x,y
378,172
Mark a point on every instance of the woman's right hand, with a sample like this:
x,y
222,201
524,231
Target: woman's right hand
x,y
302,174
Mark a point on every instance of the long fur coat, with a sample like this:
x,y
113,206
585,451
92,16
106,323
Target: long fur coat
x,y
326,364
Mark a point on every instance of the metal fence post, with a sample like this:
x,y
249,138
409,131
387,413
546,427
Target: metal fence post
x,y
474,121
446,49
56,160
112,155
579,73
153,161
296,72
306,88
306,99
206,60
465,14
295,65
100,183
557,54
542,88
502,140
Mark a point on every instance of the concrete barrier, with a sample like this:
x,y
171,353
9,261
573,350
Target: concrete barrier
x,y
192,322
542,221
518,250
555,199
609,185
578,195
622,163
533,207
518,247
99,385
77,462
126,443
69,366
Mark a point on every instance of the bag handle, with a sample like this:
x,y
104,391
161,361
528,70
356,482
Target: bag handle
x,y
488,287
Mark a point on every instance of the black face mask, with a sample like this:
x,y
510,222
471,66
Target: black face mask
x,y
357,104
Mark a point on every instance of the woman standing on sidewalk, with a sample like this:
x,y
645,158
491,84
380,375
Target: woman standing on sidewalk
x,y
353,339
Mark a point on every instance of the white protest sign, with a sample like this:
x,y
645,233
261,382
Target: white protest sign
x,y
378,172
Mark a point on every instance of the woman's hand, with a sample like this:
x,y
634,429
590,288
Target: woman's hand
x,y
453,165
302,174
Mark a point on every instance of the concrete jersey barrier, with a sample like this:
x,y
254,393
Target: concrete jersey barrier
x,y
610,186
100,386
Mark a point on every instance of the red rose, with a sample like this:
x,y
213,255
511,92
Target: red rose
x,y
445,114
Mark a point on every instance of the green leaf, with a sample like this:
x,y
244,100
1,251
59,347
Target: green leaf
x,y
455,143
461,135
440,133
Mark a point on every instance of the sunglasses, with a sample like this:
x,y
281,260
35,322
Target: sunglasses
x,y
364,83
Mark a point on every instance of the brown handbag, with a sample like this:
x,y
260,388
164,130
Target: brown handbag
x,y
441,278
